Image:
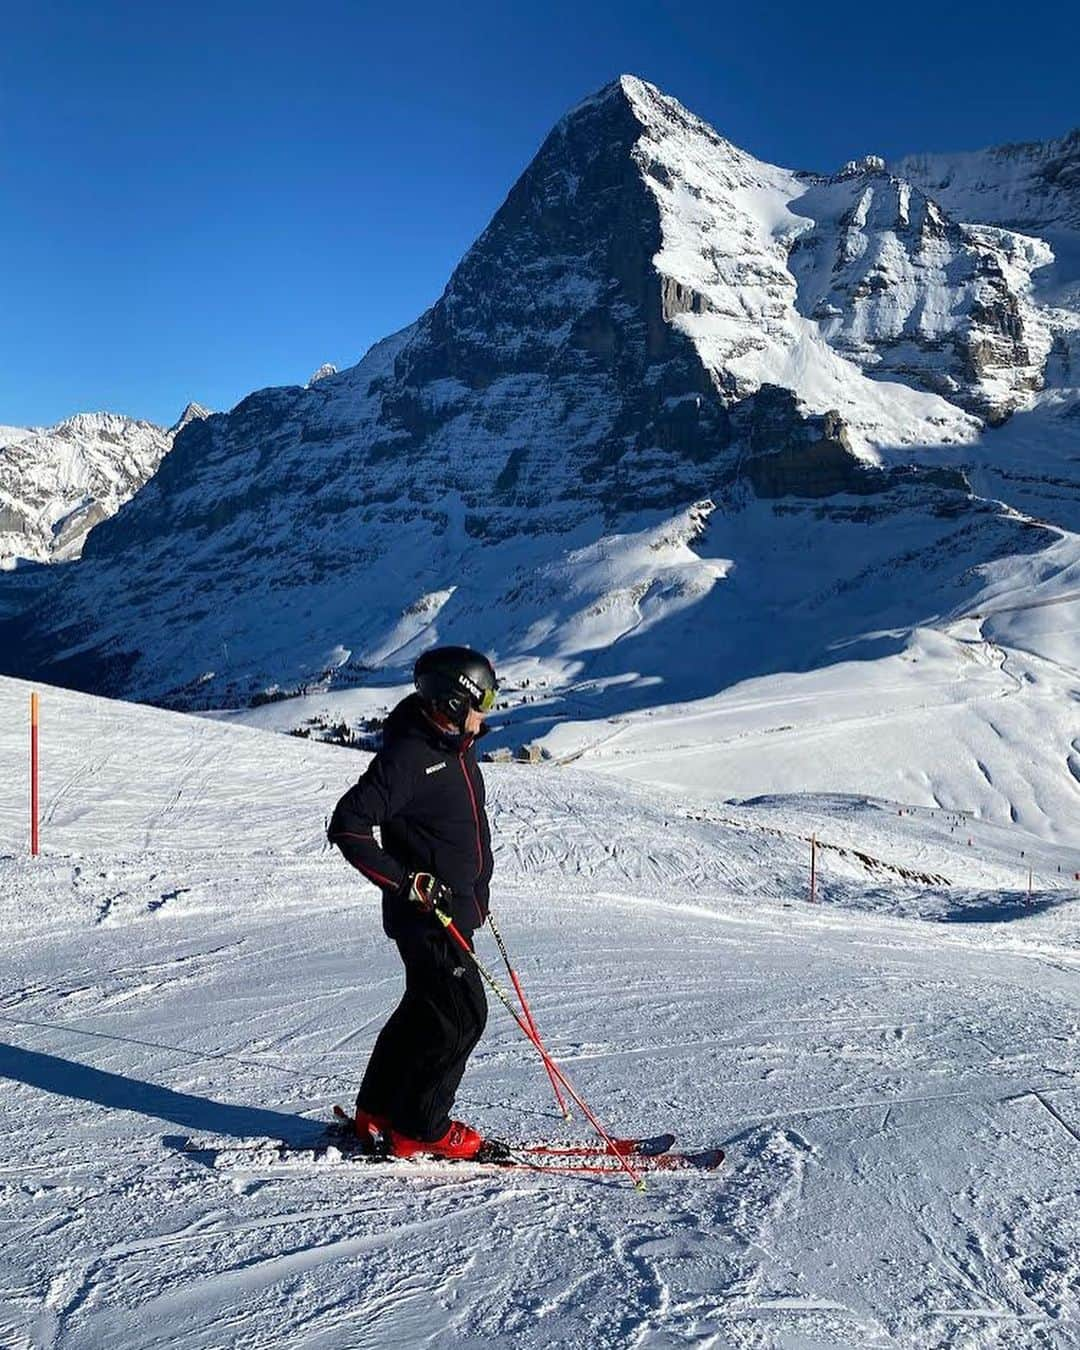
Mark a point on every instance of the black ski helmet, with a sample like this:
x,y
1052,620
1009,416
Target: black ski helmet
x,y
455,679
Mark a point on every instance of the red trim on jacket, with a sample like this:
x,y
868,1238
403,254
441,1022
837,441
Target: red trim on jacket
x,y
369,872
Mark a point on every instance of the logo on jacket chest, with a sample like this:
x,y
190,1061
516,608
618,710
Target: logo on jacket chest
x,y
434,768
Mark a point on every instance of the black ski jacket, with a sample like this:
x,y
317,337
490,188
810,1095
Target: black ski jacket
x,y
424,791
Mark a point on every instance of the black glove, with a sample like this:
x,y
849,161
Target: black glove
x,y
426,892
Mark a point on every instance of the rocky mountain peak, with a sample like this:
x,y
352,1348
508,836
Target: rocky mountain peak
x,y
624,93
194,412
323,373
101,425
860,168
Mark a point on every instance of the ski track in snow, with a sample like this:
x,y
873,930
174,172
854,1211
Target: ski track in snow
x,y
894,1071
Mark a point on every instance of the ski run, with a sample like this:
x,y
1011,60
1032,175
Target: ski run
x,y
892,1071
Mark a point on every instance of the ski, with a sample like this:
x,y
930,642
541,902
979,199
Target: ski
x,y
256,1155
653,1146
704,1160
339,1145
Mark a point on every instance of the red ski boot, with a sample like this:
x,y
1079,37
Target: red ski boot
x,y
459,1141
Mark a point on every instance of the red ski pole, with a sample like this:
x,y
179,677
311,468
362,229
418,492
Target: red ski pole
x,y
528,1013
504,998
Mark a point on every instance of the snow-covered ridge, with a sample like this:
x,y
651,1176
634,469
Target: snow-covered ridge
x,y
13,435
57,483
1030,185
890,281
729,224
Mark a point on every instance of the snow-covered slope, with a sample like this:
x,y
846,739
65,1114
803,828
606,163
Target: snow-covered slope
x,y
728,224
892,1070
957,720
57,483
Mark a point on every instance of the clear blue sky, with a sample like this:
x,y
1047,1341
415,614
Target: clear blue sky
x,y
202,199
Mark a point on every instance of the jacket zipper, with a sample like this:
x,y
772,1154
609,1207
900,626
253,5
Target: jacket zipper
x,y
476,823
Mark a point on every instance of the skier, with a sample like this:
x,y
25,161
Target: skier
x,y
424,791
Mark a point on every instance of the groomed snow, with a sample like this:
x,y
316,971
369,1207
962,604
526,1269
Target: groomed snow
x,y
893,1070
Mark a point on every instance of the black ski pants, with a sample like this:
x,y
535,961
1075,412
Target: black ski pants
x,y
420,1054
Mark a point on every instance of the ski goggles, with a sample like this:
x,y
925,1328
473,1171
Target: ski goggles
x,y
486,701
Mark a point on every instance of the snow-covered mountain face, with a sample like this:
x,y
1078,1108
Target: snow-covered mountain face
x,y
907,292
680,417
1035,188
57,483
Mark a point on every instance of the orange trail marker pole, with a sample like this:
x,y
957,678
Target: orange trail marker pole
x,y
813,868
34,775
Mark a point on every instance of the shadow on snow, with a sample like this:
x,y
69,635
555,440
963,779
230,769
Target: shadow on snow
x,y
68,1078
1003,908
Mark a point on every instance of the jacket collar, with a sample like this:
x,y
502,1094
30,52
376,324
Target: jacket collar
x,y
411,718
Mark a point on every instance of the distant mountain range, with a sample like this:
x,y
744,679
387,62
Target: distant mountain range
x,y
57,483
679,417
